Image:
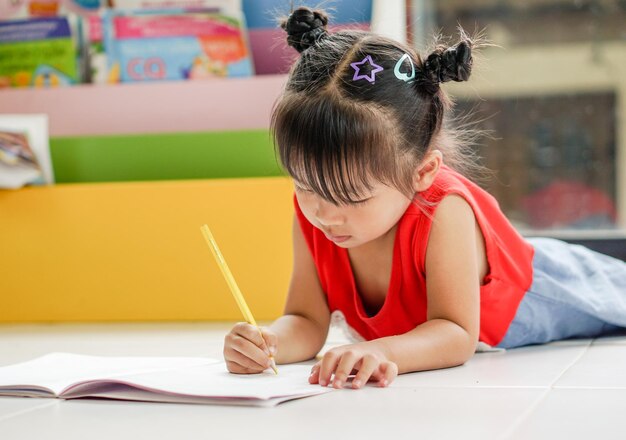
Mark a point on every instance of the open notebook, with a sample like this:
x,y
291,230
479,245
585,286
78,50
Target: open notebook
x,y
153,379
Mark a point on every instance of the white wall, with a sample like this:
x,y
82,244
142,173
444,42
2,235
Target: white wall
x,y
389,18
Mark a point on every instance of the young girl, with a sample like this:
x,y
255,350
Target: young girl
x,y
419,261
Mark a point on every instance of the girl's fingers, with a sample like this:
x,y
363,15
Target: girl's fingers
x,y
251,333
369,364
387,372
247,349
235,368
243,362
315,374
346,363
328,364
271,340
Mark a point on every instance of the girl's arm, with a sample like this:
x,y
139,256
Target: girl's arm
x,y
303,328
455,265
297,335
453,277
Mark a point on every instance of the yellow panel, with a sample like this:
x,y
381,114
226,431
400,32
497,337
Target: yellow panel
x,y
134,251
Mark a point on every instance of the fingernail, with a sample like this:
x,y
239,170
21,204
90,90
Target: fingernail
x,y
322,382
273,349
356,383
383,382
338,384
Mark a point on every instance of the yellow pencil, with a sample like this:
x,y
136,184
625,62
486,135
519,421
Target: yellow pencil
x,y
208,236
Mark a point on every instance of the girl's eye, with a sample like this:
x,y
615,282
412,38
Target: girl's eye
x,y
357,203
362,202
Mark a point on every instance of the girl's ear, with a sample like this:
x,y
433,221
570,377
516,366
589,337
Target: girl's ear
x,y
427,170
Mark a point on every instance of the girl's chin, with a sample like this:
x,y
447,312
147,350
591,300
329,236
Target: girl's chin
x,y
350,243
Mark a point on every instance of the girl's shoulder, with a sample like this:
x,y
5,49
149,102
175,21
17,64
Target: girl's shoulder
x,y
447,182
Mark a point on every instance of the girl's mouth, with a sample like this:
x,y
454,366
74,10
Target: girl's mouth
x,y
338,238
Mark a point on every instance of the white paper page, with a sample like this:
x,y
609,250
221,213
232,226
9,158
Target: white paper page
x,y
126,392
215,381
56,371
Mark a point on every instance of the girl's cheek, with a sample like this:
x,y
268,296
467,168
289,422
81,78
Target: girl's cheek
x,y
307,204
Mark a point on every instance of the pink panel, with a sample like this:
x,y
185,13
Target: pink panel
x,y
160,107
270,51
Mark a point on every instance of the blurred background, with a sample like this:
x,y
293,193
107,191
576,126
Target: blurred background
x,y
550,92
125,124
553,95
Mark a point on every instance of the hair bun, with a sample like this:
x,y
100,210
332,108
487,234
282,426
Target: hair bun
x,y
452,64
304,28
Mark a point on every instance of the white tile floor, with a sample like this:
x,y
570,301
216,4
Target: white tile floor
x,y
569,389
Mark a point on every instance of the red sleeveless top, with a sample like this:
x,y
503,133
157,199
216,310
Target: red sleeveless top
x,y
508,254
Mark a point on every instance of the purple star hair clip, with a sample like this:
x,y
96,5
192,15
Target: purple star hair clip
x,y
371,76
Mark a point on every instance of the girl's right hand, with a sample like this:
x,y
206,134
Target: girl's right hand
x,y
246,352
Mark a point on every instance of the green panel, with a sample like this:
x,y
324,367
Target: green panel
x,y
163,156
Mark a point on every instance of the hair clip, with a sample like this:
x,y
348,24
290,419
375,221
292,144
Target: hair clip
x,y
371,76
401,75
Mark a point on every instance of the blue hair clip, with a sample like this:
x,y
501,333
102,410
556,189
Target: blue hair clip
x,y
401,75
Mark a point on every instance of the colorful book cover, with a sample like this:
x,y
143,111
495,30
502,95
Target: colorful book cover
x,y
222,5
20,9
37,52
151,45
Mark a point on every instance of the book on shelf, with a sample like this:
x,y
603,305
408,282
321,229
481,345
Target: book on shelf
x,y
174,44
38,52
20,9
24,151
153,379
97,71
222,5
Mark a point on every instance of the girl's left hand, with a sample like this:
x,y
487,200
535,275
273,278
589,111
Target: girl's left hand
x,y
363,359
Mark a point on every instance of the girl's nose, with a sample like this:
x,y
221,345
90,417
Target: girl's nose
x,y
328,214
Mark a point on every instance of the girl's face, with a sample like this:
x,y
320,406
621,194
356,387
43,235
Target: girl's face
x,y
349,226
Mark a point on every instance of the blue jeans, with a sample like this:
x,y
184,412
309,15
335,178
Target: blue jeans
x,y
575,293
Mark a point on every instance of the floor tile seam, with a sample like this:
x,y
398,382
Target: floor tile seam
x,y
533,407
524,415
588,387
574,362
507,387
27,410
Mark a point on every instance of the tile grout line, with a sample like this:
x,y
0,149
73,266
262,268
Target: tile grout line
x,y
574,362
526,414
27,410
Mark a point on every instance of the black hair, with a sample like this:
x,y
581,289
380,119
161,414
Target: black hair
x,y
333,133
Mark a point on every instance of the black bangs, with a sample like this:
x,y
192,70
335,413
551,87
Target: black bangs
x,y
332,146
